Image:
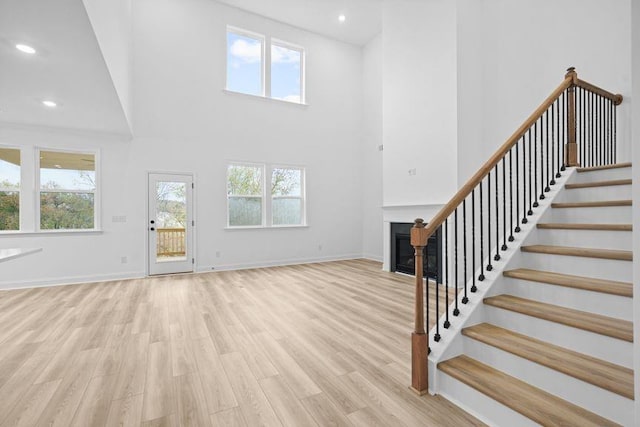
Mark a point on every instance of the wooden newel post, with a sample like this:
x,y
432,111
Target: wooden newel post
x,y
571,150
419,339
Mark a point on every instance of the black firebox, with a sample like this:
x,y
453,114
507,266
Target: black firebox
x,y
402,253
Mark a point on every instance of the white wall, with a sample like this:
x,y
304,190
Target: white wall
x,y
372,232
81,256
527,46
185,122
419,102
470,91
635,117
111,22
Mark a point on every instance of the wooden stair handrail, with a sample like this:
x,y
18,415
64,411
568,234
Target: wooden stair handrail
x,y
616,98
420,232
571,79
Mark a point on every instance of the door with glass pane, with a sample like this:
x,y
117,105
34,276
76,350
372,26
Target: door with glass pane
x,y
170,223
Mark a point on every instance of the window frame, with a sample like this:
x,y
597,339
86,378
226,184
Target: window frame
x,y
266,79
260,166
96,192
302,197
267,198
19,190
263,58
294,47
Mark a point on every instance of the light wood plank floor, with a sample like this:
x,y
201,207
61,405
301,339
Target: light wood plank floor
x,y
318,344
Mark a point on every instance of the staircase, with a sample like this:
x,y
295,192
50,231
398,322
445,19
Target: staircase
x,y
551,344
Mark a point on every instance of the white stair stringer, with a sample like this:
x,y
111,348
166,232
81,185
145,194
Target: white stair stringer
x,y
471,313
597,400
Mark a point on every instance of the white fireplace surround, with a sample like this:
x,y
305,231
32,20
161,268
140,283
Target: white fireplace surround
x,y
405,213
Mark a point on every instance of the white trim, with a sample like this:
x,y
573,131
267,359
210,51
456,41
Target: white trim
x,y
97,205
260,166
267,42
299,49
263,43
21,210
69,232
259,227
302,197
189,228
279,263
284,101
70,280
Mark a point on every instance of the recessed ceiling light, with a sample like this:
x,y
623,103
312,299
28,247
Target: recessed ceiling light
x,y
342,18
26,49
50,104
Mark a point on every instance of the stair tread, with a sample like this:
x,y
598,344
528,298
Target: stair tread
x,y
609,183
598,204
574,226
617,379
609,326
614,254
535,404
600,168
624,289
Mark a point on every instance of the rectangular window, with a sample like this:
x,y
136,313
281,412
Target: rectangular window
x,y
67,190
245,190
247,200
262,66
245,65
287,198
9,189
286,72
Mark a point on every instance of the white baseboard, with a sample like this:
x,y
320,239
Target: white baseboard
x,y
372,257
71,280
277,263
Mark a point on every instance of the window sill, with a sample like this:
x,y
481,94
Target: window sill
x,y
265,98
260,227
49,233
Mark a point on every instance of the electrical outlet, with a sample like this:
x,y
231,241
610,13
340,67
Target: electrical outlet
x,y
217,254
380,147
412,172
319,247
123,260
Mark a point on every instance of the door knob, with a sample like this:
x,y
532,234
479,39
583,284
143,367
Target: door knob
x,y
152,229
153,222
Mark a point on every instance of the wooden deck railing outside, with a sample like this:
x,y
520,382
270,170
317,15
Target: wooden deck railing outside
x,y
171,242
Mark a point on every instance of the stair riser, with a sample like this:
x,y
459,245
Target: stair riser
x,y
480,405
603,347
602,402
602,175
578,299
608,214
591,194
589,267
600,239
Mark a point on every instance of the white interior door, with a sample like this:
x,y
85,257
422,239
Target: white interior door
x,y
170,223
